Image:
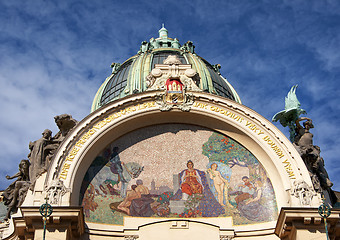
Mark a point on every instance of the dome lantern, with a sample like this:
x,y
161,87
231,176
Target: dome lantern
x,y
163,32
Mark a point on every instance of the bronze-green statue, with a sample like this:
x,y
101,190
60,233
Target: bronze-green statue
x,y
302,139
291,113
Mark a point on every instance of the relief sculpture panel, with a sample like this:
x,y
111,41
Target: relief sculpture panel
x,y
179,171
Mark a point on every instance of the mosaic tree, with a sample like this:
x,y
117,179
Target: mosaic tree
x,y
220,148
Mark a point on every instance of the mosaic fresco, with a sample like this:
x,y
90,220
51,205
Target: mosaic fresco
x,y
177,170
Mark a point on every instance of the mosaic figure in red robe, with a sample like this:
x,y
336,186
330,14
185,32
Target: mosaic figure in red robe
x,y
191,181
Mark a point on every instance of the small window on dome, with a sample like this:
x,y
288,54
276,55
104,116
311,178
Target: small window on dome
x,y
116,84
159,57
219,83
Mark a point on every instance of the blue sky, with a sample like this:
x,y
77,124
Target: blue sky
x,y
54,55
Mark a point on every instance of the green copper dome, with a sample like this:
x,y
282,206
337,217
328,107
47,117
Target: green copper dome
x,y
130,77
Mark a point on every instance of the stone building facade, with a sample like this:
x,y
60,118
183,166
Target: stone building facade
x,y
169,152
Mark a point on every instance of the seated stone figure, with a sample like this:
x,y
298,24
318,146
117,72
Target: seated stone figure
x,y
15,193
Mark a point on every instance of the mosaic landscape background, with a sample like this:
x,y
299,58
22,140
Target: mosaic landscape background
x,y
148,173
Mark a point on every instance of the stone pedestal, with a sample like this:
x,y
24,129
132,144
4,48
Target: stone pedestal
x,y
306,223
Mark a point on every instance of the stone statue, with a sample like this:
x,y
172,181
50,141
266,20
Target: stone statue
x,y
188,47
115,67
15,193
154,43
302,135
145,46
38,154
41,153
65,123
44,148
291,113
310,154
217,68
175,44
302,139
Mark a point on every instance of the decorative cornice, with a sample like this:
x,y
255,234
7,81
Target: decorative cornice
x,y
63,218
291,219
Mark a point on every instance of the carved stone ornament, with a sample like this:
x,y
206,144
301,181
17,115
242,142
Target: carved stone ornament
x,y
303,192
175,79
56,191
225,237
131,237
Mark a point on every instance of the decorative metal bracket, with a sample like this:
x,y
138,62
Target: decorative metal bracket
x,y
45,210
324,211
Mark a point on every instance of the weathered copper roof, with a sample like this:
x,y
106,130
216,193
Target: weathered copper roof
x,y
130,77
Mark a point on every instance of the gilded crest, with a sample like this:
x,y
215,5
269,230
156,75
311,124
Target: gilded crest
x,y
175,79
174,91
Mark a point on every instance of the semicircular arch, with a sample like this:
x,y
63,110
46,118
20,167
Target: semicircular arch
x,y
250,129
